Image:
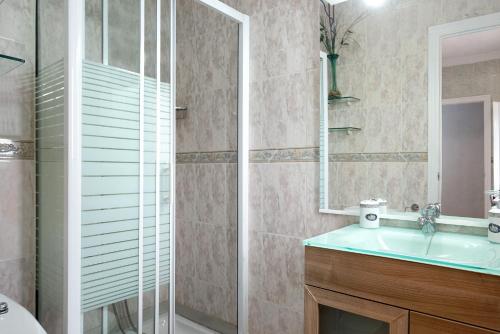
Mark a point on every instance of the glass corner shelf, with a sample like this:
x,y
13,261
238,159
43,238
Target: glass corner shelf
x,y
348,129
8,63
343,99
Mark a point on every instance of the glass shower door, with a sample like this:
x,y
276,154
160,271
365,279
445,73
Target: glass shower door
x,y
126,131
104,164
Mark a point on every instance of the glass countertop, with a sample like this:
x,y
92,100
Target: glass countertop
x,y
454,250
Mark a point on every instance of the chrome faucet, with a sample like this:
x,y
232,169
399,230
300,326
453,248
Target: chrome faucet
x,y
427,220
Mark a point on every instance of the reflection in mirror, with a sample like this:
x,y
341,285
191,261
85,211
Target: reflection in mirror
x,y
422,127
363,152
470,83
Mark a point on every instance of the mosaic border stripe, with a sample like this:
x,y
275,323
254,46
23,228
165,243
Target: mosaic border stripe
x,y
207,157
285,155
274,155
17,149
298,155
379,157
25,150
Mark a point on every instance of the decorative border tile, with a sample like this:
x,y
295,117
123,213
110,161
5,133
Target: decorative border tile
x,y
207,157
276,155
298,155
16,149
379,157
286,155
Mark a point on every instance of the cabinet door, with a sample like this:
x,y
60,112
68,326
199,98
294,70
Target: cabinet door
x,y
426,324
328,312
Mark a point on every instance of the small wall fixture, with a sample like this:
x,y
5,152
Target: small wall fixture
x,y
180,112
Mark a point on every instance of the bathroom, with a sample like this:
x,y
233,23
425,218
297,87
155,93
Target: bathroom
x,y
189,166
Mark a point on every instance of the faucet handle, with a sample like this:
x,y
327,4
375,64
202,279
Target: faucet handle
x,y
437,210
421,221
432,210
494,200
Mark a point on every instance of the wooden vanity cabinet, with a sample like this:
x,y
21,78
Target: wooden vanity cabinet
x,y
408,297
426,324
345,312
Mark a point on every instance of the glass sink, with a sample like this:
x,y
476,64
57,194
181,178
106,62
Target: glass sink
x,y
465,249
460,251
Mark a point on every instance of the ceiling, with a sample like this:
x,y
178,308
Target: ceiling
x,y
471,48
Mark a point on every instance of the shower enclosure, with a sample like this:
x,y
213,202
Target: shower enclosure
x,y
104,101
105,164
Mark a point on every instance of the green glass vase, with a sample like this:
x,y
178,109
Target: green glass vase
x,y
334,92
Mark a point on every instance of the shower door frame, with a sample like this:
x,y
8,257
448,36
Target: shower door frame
x,y
243,22
75,34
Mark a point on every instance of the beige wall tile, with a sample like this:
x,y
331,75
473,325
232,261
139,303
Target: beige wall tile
x,y
17,281
414,184
185,238
284,199
17,239
472,80
210,253
283,270
186,190
93,30
460,9
210,194
356,181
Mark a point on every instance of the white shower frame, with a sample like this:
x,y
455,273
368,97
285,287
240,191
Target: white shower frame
x,y
74,55
73,320
243,151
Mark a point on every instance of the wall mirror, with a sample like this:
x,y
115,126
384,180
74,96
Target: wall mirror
x,y
416,117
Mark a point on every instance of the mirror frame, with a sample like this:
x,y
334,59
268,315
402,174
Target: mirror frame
x,y
435,36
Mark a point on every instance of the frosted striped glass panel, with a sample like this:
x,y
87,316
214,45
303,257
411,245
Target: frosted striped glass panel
x,y
49,124
110,185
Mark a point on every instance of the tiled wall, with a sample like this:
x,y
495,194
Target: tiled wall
x,y
206,229
284,169
284,113
17,223
387,69
284,194
472,80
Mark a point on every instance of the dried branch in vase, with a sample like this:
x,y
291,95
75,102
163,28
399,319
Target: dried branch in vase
x,y
333,41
